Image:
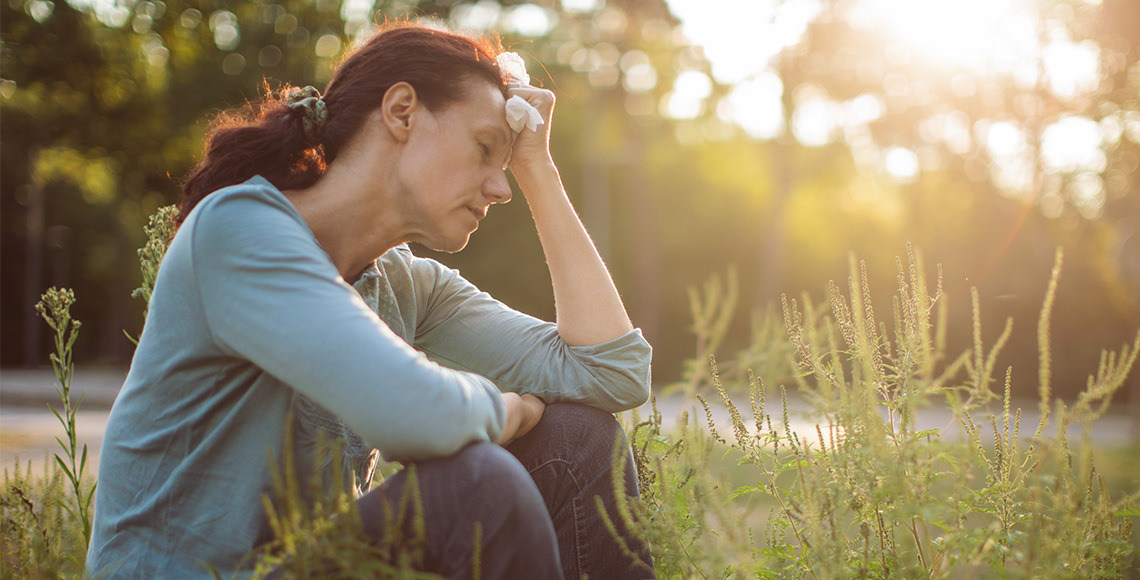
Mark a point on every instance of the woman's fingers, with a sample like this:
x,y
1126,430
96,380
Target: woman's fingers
x,y
542,99
533,147
533,414
523,413
515,411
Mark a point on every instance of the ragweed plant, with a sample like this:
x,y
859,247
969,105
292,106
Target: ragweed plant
x,y
40,539
159,230
676,501
55,308
317,530
868,494
45,529
713,307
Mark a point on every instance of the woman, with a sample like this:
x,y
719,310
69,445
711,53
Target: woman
x,y
253,330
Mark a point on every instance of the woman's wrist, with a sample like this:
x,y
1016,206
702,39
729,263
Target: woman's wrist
x,y
535,175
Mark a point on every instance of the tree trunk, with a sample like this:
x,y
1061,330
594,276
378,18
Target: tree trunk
x,y
114,348
646,246
33,264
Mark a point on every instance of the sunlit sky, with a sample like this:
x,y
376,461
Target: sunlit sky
x,y
972,40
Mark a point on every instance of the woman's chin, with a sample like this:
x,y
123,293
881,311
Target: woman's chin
x,y
449,245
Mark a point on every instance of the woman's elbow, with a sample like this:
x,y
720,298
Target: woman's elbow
x,y
642,388
629,390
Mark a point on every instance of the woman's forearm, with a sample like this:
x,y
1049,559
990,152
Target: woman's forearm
x,y
586,302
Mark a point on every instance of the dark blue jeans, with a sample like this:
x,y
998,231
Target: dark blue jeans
x,y
534,501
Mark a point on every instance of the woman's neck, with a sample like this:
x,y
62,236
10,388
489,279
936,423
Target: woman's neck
x,y
346,215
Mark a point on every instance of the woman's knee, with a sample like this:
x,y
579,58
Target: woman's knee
x,y
482,481
491,482
578,415
488,468
498,492
581,427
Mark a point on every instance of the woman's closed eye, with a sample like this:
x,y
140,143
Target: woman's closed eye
x,y
489,154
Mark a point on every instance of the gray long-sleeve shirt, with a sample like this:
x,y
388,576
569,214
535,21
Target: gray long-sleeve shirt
x,y
250,324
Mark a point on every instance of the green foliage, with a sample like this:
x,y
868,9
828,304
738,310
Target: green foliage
x,y
713,307
39,537
160,229
868,494
55,308
681,512
317,530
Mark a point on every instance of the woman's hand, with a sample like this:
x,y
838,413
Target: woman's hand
x,y
532,148
523,414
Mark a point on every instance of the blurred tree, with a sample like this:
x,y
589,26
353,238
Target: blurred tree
x,y
104,107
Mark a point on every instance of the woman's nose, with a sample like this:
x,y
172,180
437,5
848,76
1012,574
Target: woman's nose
x,y
497,188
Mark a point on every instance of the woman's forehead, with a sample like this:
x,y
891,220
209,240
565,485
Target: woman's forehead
x,y
485,107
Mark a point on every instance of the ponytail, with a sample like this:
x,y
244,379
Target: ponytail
x,y
265,138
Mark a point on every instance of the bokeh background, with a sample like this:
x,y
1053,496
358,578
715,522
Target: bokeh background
x,y
772,137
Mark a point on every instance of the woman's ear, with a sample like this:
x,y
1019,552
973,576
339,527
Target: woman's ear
x,y
396,109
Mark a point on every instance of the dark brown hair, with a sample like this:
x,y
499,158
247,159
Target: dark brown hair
x,y
267,137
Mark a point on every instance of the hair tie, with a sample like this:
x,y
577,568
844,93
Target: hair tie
x,y
314,112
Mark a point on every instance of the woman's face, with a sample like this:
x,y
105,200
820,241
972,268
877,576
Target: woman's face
x,y
452,169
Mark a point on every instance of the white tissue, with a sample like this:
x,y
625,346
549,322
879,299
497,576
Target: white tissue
x,y
513,67
521,114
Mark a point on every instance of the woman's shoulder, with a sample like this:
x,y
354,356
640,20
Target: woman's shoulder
x,y
254,206
255,194
249,221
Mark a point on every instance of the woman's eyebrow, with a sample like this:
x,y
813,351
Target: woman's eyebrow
x,y
499,132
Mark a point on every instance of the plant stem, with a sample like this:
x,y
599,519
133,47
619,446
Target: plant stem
x,y
55,308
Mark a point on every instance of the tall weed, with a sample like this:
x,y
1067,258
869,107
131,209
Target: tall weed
x,y
868,494
38,538
318,532
45,528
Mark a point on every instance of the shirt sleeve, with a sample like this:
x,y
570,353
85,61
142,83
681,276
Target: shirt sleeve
x,y
465,328
272,296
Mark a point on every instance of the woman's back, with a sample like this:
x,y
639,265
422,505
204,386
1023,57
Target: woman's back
x,y
185,458
183,467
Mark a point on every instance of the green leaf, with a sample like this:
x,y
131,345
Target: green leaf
x,y
59,460
1128,512
792,463
744,490
57,416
